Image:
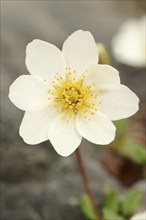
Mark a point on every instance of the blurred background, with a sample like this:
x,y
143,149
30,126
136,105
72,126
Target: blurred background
x,y
36,183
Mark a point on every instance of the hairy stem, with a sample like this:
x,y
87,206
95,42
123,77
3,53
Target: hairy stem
x,y
86,184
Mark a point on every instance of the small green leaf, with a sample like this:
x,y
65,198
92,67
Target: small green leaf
x,y
110,215
131,201
86,207
103,54
135,150
111,200
121,126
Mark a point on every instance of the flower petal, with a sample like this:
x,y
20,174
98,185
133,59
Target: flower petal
x,y
99,129
28,93
129,43
118,104
80,51
63,136
139,216
35,125
44,60
104,76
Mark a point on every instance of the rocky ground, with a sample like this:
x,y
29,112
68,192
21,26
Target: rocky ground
x,y
36,183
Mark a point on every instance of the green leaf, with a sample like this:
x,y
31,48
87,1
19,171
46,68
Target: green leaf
x,y
103,54
86,207
111,200
110,215
121,126
131,201
135,150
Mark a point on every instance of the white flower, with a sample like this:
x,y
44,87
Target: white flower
x,y
139,216
129,45
69,96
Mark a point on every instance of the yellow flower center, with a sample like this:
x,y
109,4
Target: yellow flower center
x,y
72,96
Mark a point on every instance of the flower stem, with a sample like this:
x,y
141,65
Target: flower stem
x,y
86,184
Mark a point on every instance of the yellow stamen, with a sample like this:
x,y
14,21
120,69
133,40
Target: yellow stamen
x,y
72,96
